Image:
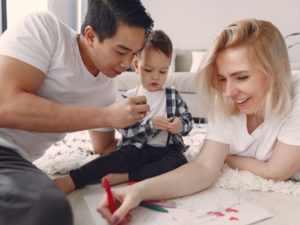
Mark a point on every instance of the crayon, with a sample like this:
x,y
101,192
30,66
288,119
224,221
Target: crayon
x,y
110,198
154,207
162,203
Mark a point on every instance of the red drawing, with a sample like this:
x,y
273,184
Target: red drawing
x,y
231,210
233,218
216,213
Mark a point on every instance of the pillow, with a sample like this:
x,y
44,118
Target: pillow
x,y
197,57
172,64
183,60
293,45
184,82
294,56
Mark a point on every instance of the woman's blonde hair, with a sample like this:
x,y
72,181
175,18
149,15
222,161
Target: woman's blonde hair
x,y
267,49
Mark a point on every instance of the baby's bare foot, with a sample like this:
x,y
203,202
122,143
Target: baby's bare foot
x,y
116,178
64,183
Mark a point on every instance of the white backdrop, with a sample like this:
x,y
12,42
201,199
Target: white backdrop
x,y
192,24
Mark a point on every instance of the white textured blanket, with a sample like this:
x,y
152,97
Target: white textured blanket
x,y
76,150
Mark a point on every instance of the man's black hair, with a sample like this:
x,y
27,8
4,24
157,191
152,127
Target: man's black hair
x,y
104,16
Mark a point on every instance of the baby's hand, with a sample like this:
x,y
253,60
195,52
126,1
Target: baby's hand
x,y
175,125
160,123
172,125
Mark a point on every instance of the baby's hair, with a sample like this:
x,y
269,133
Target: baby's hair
x,y
160,40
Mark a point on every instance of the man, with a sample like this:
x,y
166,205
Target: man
x,y
54,81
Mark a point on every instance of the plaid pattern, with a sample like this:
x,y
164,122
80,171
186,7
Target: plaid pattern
x,y
138,133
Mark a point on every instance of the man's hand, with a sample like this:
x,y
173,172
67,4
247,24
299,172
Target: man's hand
x,y
126,112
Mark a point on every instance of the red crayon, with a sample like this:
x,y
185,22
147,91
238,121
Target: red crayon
x,y
110,198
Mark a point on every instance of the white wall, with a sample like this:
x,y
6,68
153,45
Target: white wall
x,y
65,10
81,12
17,9
192,24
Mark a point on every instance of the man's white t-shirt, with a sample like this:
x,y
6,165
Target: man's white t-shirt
x,y
47,44
259,144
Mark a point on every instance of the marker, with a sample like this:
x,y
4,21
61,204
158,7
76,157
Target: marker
x,y
172,118
109,196
154,207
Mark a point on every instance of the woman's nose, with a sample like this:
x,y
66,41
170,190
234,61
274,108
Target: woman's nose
x,y
230,89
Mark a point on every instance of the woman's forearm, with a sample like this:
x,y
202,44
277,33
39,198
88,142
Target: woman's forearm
x,y
255,166
179,182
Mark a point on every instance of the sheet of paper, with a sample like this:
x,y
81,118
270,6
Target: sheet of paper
x,y
212,207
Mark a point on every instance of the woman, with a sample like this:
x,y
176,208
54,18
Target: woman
x,y
255,125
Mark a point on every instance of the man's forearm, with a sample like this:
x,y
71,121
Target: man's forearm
x,y
29,112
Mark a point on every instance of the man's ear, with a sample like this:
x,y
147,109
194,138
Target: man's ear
x,y
89,35
136,65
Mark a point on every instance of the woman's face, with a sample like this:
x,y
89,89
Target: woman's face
x,y
241,80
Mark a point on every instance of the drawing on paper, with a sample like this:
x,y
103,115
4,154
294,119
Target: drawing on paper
x,y
209,207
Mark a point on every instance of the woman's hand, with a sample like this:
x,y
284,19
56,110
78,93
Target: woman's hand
x,y
283,163
126,199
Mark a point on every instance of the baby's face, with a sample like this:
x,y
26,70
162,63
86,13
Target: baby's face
x,y
153,68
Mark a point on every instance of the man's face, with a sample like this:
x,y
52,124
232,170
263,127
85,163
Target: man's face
x,y
114,55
